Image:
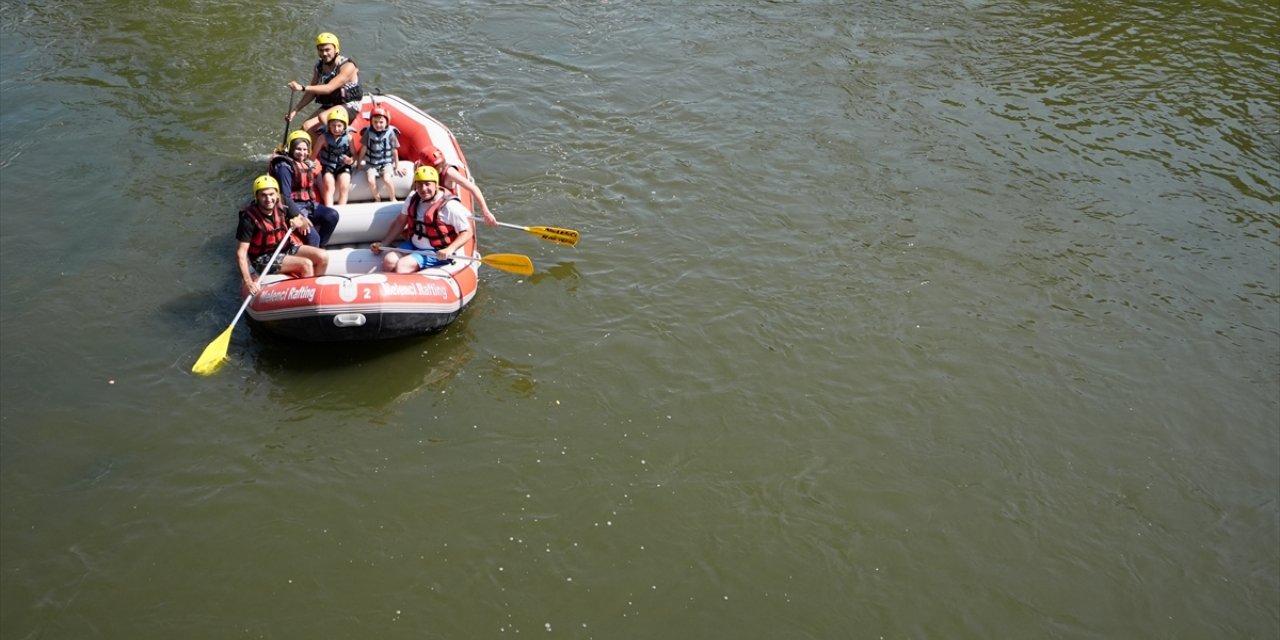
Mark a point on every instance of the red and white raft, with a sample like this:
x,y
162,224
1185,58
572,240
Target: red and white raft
x,y
354,299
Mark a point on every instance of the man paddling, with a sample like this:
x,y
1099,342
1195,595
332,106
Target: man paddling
x,y
335,81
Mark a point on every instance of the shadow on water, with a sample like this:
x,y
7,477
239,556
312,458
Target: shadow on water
x,y
561,271
334,375
378,375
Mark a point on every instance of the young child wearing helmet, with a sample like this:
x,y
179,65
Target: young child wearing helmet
x,y
380,151
335,81
335,152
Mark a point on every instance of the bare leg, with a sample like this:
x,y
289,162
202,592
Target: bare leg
x,y
344,187
311,123
316,257
391,187
389,260
373,185
327,187
296,266
407,264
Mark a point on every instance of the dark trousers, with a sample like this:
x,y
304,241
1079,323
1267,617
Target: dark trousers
x,y
323,221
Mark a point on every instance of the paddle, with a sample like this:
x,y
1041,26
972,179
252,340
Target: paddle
x,y
214,354
285,138
566,237
513,262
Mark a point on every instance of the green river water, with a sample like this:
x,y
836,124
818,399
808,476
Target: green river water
x,y
947,319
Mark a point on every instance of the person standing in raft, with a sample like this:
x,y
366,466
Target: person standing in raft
x,y
380,150
295,172
432,219
336,153
335,81
451,178
263,225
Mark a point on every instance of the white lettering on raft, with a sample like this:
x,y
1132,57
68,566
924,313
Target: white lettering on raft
x,y
292,293
415,289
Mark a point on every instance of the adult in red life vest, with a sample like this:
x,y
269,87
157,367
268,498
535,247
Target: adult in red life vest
x,y
451,178
263,225
335,81
295,172
432,219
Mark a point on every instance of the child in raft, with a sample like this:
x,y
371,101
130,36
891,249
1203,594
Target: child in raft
x,y
334,151
380,151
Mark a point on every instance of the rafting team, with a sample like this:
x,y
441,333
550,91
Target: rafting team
x,y
432,225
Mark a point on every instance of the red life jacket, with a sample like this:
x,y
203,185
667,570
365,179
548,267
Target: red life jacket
x,y
429,225
442,170
302,180
270,230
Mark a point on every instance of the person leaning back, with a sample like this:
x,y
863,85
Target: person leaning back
x,y
263,225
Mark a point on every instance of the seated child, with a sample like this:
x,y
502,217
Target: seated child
x,y
334,150
380,150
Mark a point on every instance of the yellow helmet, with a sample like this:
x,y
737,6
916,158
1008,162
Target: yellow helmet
x,y
264,182
426,174
300,134
328,38
338,113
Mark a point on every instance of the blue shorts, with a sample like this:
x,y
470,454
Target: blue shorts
x,y
424,260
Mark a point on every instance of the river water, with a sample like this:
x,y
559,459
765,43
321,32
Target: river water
x,y
947,319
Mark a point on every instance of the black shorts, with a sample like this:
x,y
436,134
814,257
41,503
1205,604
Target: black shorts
x,y
260,262
338,170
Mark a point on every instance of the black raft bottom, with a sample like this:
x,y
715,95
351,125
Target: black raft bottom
x,y
376,326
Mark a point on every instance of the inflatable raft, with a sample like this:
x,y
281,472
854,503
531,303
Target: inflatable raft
x,y
354,299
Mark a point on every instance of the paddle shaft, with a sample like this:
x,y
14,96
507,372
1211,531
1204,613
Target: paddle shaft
x,y
432,252
245,305
215,352
567,237
258,281
505,224
285,138
512,262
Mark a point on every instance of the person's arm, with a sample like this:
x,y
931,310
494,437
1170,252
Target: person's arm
x,y
285,178
460,180
395,155
460,219
246,275
345,73
244,233
307,96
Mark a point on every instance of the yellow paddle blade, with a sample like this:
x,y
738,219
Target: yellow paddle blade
x,y
513,262
214,354
567,237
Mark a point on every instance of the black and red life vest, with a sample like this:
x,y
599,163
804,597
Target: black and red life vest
x,y
270,230
349,92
